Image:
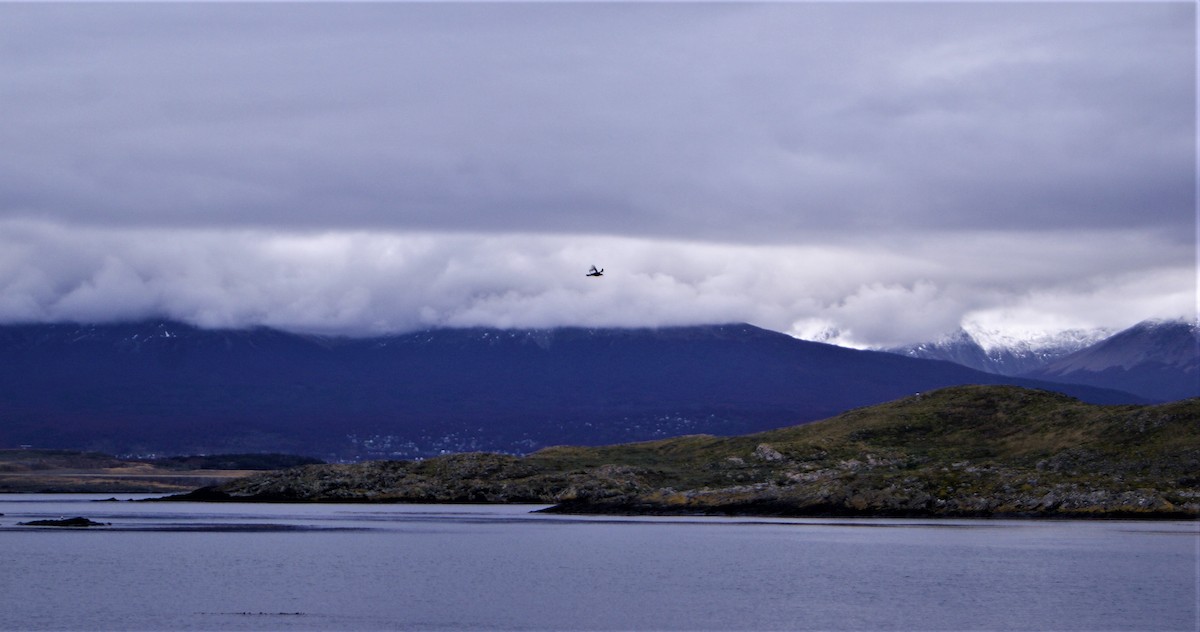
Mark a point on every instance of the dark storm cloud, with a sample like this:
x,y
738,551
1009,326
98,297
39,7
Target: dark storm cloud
x,y
701,121
884,171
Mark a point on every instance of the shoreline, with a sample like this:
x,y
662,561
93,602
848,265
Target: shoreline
x,y
765,510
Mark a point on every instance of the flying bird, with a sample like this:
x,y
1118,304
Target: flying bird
x,y
595,272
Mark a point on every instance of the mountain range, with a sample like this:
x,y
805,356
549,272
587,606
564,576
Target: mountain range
x,y
162,387
1159,360
1005,355
1155,359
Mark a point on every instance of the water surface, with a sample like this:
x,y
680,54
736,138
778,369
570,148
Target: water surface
x,y
193,566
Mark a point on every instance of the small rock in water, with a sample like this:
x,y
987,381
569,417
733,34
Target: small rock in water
x,y
77,521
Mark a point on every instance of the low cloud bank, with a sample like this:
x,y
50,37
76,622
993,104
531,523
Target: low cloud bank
x,y
359,283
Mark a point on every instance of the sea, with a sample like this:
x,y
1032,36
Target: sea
x,y
195,566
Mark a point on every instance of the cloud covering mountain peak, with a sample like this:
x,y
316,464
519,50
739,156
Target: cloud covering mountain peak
x,y
893,170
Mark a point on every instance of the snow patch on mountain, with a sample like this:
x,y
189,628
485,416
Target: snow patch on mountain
x,y
1003,352
1034,342
824,331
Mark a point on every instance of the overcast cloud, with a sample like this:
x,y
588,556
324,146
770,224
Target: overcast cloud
x,y
884,172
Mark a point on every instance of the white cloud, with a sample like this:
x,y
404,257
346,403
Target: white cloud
x,y
364,283
1111,302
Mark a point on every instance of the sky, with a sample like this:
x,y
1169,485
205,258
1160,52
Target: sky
x,y
870,174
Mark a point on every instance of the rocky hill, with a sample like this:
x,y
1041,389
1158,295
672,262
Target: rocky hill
x,y
961,451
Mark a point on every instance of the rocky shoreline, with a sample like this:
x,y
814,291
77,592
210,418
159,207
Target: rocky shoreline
x,y
616,490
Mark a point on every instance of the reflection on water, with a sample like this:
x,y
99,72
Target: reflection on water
x,y
453,567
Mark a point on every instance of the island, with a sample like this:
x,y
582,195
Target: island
x,y
970,451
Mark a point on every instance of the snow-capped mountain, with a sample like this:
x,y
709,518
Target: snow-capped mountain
x,y
1003,354
1158,359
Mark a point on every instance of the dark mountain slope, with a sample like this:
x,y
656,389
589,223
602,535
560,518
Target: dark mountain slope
x,y
959,348
168,387
1159,360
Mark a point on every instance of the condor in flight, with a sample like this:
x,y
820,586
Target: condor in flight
x,y
595,272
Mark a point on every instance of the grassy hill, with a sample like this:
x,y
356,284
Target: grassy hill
x,y
961,451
